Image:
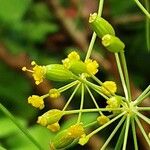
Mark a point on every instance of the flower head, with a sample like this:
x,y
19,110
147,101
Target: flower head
x,y
54,93
36,101
110,85
54,127
102,119
38,72
83,140
92,66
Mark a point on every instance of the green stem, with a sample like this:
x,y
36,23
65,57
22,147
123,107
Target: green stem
x,y
68,86
94,101
105,125
126,133
71,97
69,112
23,129
124,64
120,139
143,117
142,8
89,51
147,25
142,130
2,148
140,98
143,108
121,76
134,134
82,102
113,133
90,124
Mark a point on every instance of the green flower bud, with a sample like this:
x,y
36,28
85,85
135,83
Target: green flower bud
x,y
100,26
57,72
77,67
113,43
50,117
61,140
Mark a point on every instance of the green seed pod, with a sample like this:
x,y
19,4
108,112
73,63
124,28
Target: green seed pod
x,y
61,140
100,26
57,72
113,43
77,67
50,117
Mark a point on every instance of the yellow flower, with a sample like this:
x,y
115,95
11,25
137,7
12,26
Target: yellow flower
x,y
114,102
102,119
38,72
92,66
54,93
76,130
74,56
83,140
36,101
54,127
110,85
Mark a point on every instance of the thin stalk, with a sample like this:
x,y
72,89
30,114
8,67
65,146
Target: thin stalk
x,y
112,134
71,97
126,133
120,139
94,101
143,117
105,125
124,64
82,102
101,83
68,86
69,112
90,124
146,95
142,8
140,98
143,108
121,76
142,130
147,25
134,134
23,129
89,51
2,148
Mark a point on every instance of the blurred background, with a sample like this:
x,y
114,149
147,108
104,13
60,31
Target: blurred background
x,y
46,31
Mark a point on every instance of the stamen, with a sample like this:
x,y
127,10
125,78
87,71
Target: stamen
x,y
25,69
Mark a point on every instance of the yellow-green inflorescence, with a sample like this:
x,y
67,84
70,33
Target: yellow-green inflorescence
x,y
79,74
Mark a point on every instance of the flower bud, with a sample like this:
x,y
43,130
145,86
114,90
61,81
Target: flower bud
x,y
54,127
102,119
114,102
54,93
57,72
61,140
113,43
100,26
83,140
50,117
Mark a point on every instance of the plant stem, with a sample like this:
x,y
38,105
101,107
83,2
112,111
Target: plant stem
x,y
142,8
89,51
2,148
113,133
82,102
126,133
90,124
143,117
140,98
143,108
93,99
105,125
134,134
121,76
124,64
142,130
120,139
90,110
23,129
71,97
68,86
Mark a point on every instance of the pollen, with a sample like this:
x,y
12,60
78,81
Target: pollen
x,y
109,87
54,93
102,119
76,130
92,66
36,101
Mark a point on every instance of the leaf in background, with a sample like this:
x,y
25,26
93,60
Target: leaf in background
x,y
13,10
